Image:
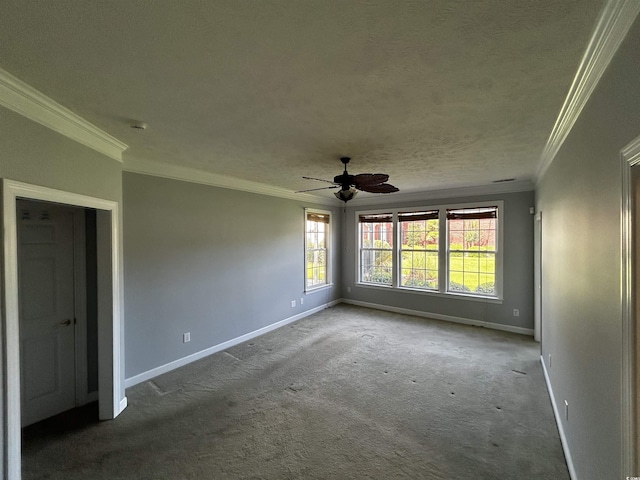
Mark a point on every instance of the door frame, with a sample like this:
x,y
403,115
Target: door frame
x,y
111,396
80,304
630,157
537,277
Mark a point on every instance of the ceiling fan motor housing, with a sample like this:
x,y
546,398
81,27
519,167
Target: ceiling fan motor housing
x,y
345,180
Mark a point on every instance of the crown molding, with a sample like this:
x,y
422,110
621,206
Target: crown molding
x,y
473,191
29,102
613,24
193,175
631,152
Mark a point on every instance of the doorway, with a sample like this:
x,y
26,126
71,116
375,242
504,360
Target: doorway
x,y
56,263
630,273
111,397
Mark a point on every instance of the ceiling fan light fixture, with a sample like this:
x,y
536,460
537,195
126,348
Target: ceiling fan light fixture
x,y
346,195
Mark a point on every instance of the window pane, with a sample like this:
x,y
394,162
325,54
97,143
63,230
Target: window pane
x,y
419,269
488,234
376,266
456,224
456,234
367,240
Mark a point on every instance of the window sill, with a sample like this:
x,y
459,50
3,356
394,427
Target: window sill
x,y
430,293
319,288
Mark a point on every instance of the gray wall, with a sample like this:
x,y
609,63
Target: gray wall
x,y
517,261
580,200
34,154
214,262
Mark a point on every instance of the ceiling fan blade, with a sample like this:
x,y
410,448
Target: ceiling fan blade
x,y
314,189
382,188
318,179
370,178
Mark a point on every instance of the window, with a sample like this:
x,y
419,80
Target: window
x,y
317,231
451,249
419,249
376,248
472,250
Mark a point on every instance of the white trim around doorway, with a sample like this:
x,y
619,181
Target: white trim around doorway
x,y
111,379
630,157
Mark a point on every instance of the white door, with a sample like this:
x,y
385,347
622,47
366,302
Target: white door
x,y
47,323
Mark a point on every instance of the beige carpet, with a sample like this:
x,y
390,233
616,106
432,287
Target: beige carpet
x,y
348,393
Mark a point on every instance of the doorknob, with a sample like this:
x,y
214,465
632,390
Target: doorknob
x,y
66,323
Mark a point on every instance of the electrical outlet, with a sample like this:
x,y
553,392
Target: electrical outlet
x,y
516,312
293,303
566,410
186,337
348,289
301,300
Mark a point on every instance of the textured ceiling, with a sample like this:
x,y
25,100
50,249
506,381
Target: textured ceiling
x,y
439,94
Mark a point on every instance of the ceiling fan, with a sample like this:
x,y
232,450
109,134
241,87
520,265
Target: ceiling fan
x,y
350,184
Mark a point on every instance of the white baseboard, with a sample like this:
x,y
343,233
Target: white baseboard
x,y
123,404
438,316
556,413
154,372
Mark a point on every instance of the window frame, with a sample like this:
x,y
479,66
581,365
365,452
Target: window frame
x,y
494,252
327,248
362,249
401,250
443,251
